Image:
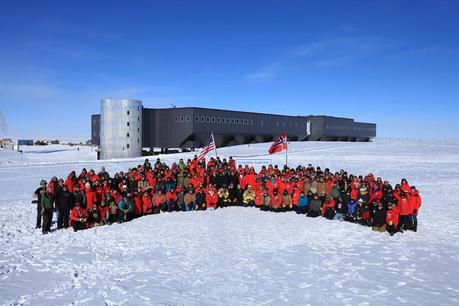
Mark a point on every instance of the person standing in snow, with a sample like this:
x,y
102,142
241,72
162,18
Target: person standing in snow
x,y
64,203
416,202
392,218
47,201
38,194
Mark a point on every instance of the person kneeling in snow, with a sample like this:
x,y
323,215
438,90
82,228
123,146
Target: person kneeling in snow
x,y
303,203
125,208
392,214
78,217
314,207
379,218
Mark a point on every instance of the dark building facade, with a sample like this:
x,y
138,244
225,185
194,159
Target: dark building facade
x,y
190,127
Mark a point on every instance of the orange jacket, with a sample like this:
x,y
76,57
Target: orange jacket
x,y
147,204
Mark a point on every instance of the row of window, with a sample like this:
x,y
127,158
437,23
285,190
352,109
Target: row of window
x,y
350,128
204,119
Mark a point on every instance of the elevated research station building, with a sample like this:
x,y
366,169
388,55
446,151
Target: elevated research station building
x,y
124,127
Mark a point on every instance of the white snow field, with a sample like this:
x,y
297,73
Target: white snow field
x,y
236,256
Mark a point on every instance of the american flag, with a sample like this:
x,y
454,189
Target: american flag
x,y
207,148
279,145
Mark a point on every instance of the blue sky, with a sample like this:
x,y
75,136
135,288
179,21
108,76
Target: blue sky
x,y
391,62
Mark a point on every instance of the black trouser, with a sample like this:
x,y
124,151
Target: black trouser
x,y
38,216
264,208
404,222
47,219
156,209
77,225
63,219
391,229
313,213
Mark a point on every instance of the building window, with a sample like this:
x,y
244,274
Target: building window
x,y
208,119
196,119
138,129
283,124
246,121
128,112
127,134
277,123
176,118
251,122
127,146
138,140
182,118
203,119
128,123
219,120
188,119
233,121
138,119
213,119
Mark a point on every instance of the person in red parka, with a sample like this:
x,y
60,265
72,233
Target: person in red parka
x,y
406,210
416,201
171,199
328,209
392,218
137,199
159,202
147,203
90,195
78,217
276,201
211,199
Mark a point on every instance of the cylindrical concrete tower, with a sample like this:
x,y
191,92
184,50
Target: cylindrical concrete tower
x,y
120,128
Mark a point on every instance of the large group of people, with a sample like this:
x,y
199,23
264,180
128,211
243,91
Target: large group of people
x,y
92,199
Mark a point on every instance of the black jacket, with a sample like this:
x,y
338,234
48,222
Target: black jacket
x,y
64,200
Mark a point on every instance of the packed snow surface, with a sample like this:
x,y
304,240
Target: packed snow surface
x,y
235,256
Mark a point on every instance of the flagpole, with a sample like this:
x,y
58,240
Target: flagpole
x,y
286,155
215,145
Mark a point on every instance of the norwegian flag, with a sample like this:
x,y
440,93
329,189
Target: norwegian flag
x,y
279,145
207,148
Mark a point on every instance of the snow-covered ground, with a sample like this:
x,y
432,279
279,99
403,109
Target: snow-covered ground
x,y
236,255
